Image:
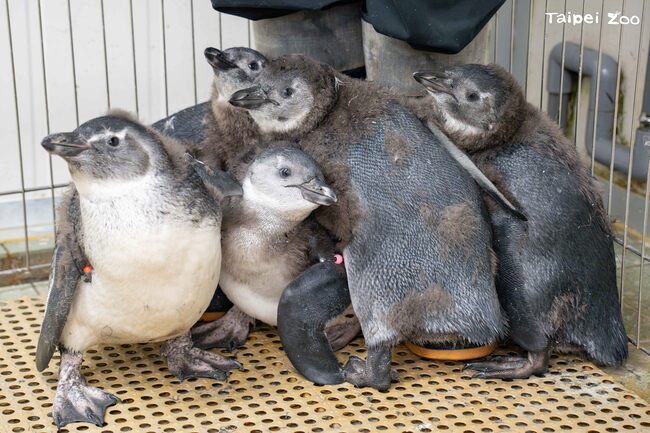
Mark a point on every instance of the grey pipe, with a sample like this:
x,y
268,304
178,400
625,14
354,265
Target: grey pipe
x,y
645,107
606,104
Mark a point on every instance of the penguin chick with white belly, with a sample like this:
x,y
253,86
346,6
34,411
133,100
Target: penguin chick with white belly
x,y
267,237
140,217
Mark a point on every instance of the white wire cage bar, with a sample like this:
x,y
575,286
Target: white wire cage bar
x,y
65,61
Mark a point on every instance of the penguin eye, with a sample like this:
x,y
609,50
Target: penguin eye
x,y
253,66
287,92
285,172
473,96
114,141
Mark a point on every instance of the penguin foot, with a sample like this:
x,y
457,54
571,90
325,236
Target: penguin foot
x,y
495,361
358,374
78,402
340,334
75,401
185,361
228,332
510,367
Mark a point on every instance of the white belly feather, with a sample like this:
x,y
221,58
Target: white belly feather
x,y
152,279
260,294
254,281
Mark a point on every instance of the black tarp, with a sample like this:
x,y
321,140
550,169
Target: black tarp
x,y
445,26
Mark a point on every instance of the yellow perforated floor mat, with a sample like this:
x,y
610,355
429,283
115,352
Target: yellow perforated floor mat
x,y
269,396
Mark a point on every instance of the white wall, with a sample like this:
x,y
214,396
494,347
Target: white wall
x,y
46,69
44,66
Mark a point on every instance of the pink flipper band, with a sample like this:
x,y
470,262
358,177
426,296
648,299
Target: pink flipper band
x,y
338,259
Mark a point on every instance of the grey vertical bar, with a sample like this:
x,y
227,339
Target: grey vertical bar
x,y
496,37
629,167
643,241
579,96
559,110
530,27
164,41
613,153
196,95
248,25
47,114
135,70
108,90
541,84
600,58
74,68
20,142
512,35
220,32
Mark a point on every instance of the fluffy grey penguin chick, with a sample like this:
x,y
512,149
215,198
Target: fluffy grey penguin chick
x,y
233,68
228,129
557,273
141,217
268,239
416,240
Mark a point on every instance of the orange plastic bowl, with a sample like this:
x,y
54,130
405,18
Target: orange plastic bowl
x,y
211,316
461,354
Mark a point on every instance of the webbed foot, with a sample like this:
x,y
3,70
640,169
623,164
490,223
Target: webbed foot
x,y
185,361
510,367
75,401
227,332
375,372
339,334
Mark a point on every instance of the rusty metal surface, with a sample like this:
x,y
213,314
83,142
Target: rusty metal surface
x,y
270,396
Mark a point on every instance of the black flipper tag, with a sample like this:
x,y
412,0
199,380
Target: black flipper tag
x,y
478,176
219,183
318,295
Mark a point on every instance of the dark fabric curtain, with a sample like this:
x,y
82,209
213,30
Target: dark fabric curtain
x,y
445,26
262,9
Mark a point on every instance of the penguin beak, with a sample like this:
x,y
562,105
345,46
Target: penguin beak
x,y
436,82
65,145
218,60
317,191
251,98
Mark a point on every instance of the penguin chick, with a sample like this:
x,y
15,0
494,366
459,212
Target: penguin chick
x,y
268,239
228,131
557,273
264,235
414,273
233,69
141,219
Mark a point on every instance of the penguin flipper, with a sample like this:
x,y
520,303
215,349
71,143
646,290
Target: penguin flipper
x,y
479,177
185,125
319,294
64,277
219,183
